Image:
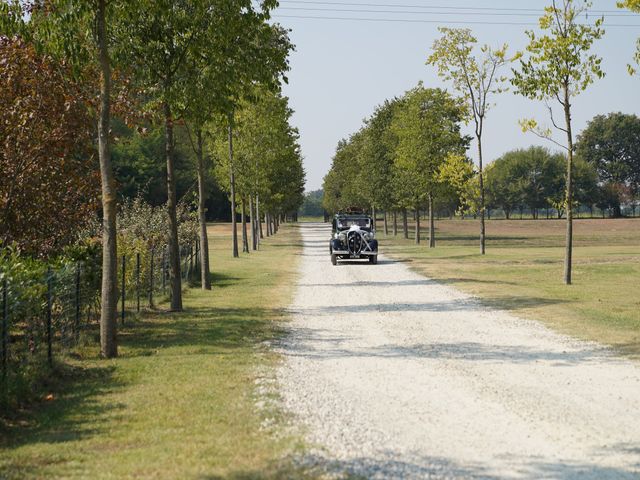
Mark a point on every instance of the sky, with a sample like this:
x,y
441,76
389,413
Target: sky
x,y
342,69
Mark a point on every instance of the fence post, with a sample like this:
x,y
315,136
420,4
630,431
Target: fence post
x,y
197,267
138,281
164,268
124,260
153,251
5,338
76,326
49,326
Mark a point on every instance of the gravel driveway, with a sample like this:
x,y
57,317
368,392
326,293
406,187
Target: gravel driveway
x,y
395,376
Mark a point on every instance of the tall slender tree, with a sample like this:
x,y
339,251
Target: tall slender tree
x,y
476,79
559,66
79,32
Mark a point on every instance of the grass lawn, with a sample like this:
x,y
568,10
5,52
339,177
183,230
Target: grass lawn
x,y
523,270
180,401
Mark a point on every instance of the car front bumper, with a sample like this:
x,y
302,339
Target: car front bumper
x,y
338,249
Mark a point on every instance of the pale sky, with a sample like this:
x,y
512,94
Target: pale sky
x,y
342,69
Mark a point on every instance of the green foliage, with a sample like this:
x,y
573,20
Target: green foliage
x,y
427,128
459,173
559,64
312,204
535,178
267,158
376,157
611,143
394,160
476,79
633,5
139,167
341,186
560,57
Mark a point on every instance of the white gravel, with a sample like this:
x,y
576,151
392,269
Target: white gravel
x,y
393,375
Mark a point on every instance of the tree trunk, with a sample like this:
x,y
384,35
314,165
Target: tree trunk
x,y
616,211
109,292
205,277
481,178
405,223
569,198
386,224
259,233
417,235
243,216
252,214
432,229
395,223
266,224
174,249
232,179
373,215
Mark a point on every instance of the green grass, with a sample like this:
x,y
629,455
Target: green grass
x,y
523,270
180,401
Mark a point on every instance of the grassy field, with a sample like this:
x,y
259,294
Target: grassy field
x,y
180,401
522,272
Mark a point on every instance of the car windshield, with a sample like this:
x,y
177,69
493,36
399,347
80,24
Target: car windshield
x,y
347,222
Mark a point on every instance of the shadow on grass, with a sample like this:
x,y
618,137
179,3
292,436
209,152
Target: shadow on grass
x,y
81,407
210,330
220,280
72,413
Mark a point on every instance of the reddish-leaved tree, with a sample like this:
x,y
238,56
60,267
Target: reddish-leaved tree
x,y
48,169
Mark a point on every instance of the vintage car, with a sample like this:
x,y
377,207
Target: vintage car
x,y
353,238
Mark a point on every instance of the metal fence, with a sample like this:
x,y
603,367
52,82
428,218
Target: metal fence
x,y
45,317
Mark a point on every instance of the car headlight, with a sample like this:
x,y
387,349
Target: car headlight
x,y
342,237
369,236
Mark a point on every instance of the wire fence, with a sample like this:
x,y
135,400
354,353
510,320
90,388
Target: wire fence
x,y
46,316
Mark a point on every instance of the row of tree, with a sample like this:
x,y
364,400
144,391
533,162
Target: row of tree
x,y
203,69
411,151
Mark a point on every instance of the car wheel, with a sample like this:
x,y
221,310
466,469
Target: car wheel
x,y
334,259
373,259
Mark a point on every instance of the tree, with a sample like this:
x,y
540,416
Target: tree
x,y
611,144
559,66
534,178
79,33
427,127
475,79
267,164
457,172
633,5
376,159
240,53
48,180
502,190
341,190
162,37
312,204
137,165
